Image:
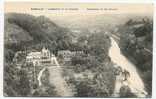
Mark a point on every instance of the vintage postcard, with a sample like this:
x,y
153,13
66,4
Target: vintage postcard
x,y
78,50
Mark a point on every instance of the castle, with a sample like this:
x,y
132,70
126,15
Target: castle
x,y
44,57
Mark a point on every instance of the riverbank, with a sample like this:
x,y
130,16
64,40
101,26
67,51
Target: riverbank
x,y
148,86
134,82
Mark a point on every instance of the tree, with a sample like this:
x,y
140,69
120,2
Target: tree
x,y
125,91
98,45
135,40
23,87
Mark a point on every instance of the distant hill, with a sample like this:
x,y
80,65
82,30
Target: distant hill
x,y
103,21
15,34
24,30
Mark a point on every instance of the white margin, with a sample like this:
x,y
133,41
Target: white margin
x,y
154,55
86,1
1,46
67,1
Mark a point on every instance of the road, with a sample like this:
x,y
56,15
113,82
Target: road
x,y
40,75
56,79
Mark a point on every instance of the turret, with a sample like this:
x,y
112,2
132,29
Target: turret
x,y
45,52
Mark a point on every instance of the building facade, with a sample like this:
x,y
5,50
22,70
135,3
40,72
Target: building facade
x,y
40,58
67,55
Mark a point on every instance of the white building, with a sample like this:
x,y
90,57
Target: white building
x,y
40,58
67,55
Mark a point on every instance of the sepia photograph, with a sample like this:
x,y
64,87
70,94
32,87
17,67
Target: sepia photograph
x,y
97,50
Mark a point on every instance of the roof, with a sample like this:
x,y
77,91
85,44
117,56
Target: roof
x,y
34,53
64,51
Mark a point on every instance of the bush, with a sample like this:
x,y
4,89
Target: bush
x,y
125,91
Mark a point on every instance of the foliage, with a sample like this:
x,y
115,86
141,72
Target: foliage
x,y
37,30
97,61
45,91
136,44
16,81
125,91
41,31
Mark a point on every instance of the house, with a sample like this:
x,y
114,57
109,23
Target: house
x,y
43,57
67,55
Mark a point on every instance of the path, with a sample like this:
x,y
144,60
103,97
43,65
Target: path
x,y
56,79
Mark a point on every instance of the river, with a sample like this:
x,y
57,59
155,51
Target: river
x,y
134,82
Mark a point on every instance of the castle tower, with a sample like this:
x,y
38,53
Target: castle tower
x,y
45,52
